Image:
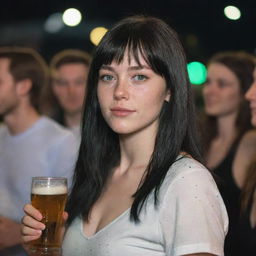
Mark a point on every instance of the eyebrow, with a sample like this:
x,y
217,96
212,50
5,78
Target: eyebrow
x,y
139,67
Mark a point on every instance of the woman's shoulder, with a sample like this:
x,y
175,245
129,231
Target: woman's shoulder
x,y
186,172
184,165
248,141
245,153
191,201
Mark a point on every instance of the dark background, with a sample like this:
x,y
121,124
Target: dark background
x,y
201,24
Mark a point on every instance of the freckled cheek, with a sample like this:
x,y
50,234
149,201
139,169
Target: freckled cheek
x,y
153,103
104,102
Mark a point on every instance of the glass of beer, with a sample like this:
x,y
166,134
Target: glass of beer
x,y
49,196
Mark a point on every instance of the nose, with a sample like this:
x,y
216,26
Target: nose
x,y
71,88
121,89
251,93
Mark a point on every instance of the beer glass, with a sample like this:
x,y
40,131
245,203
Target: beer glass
x,y
49,195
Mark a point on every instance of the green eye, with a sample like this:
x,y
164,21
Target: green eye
x,y
106,77
140,77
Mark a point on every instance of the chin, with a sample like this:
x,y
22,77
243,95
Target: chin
x,y
123,130
73,111
211,112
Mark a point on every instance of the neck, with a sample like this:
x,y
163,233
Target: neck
x,y
73,119
136,149
21,119
226,127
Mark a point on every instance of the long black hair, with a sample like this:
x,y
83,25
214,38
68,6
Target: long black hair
x,y
99,150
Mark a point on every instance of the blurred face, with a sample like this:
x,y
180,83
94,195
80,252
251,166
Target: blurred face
x,y
251,97
69,86
9,100
221,92
131,96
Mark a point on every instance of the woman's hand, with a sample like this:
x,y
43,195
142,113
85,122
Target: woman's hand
x,y
31,225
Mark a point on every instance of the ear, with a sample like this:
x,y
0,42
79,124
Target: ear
x,y
168,95
23,87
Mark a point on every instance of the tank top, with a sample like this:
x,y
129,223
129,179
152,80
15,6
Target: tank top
x,y
241,238
247,234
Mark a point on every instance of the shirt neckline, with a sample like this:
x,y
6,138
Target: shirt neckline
x,y
105,228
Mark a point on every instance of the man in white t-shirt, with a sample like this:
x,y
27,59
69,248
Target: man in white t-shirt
x,y
30,144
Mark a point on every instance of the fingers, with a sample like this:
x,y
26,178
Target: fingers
x,y
31,226
27,231
65,216
33,212
28,238
28,221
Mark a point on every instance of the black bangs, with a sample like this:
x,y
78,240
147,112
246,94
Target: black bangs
x,y
136,42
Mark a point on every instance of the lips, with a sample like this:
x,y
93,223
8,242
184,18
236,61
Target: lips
x,y
121,112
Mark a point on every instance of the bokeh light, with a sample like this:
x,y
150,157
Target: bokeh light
x,y
97,34
197,72
72,17
232,12
54,23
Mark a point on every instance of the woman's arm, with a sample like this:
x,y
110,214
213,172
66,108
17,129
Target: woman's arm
x,y
9,233
245,153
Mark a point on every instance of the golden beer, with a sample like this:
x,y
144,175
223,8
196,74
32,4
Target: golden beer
x,y
49,196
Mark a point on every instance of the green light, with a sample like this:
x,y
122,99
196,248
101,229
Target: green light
x,y
197,72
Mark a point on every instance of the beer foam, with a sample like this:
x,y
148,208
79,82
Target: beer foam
x,y
55,190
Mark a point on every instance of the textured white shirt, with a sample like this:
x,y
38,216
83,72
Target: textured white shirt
x,y
190,218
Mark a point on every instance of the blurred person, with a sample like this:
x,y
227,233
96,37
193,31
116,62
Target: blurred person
x,y
138,188
69,70
30,144
227,121
246,155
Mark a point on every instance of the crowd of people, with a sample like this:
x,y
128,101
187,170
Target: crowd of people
x,y
121,125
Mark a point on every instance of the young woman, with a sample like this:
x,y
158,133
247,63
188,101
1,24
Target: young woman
x,y
247,154
228,120
138,188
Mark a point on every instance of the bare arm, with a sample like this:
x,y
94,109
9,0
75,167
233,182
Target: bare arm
x,y
10,234
246,152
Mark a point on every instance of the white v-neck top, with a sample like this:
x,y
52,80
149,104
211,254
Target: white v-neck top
x,y
190,218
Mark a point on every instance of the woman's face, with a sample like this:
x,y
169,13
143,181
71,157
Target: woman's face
x,y
131,96
251,97
222,94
